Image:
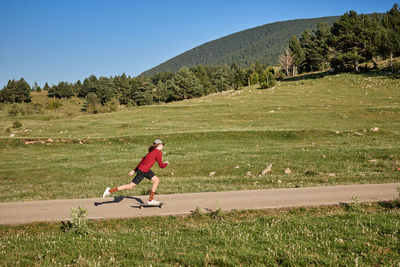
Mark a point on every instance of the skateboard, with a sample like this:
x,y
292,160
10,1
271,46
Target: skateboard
x,y
141,205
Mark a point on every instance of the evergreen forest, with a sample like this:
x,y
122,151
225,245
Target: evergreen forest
x,y
262,44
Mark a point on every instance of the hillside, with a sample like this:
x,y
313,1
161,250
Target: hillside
x,y
318,127
262,44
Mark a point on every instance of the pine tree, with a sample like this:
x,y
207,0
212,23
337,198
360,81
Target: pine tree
x,y
348,42
23,91
221,78
143,95
46,87
268,78
123,88
76,87
104,90
297,53
36,87
308,48
203,74
238,76
188,84
254,79
391,37
319,49
16,92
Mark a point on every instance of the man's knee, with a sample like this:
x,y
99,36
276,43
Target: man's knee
x,y
131,185
155,179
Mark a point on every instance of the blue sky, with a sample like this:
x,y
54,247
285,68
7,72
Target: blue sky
x,y
55,40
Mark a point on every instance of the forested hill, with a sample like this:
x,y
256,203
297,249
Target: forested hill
x,y
263,44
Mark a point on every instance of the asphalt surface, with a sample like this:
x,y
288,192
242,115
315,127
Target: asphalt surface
x,y
180,204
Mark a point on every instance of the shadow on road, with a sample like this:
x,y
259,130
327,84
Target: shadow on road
x,y
117,200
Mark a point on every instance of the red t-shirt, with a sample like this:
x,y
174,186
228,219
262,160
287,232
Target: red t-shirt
x,y
148,161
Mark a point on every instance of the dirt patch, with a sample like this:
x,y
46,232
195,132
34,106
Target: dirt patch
x,y
50,141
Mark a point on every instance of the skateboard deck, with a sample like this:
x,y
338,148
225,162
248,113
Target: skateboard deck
x,y
141,205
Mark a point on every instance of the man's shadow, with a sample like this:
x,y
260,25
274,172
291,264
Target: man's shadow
x,y
118,199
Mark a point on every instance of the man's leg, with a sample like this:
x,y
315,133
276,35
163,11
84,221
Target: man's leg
x,y
155,181
108,191
131,185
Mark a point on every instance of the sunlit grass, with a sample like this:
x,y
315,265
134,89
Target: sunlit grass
x,y
319,128
303,236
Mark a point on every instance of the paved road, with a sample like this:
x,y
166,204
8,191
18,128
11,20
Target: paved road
x,y
179,204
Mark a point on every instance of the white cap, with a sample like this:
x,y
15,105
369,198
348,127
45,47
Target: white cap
x,y
158,141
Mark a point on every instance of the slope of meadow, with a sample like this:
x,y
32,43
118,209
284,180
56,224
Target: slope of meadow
x,y
317,126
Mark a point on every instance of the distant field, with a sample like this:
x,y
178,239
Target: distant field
x,y
320,128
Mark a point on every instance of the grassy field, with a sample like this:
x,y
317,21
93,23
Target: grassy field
x,y
318,126
359,235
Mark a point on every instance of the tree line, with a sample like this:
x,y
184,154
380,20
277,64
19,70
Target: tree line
x,y
352,40
142,90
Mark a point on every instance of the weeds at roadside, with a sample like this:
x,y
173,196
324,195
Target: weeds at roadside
x,y
353,206
394,204
216,214
79,223
198,213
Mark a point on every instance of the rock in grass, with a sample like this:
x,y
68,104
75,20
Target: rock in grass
x,y
267,170
374,129
211,174
248,174
373,160
288,171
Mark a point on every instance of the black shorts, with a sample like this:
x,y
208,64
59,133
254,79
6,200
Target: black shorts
x,y
140,176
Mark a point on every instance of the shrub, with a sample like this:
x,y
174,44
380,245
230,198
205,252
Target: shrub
x,y
17,124
14,110
396,70
268,84
109,106
355,204
268,79
254,79
31,108
52,105
92,103
199,213
79,224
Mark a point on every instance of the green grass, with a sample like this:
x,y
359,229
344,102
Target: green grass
x,y
296,237
319,127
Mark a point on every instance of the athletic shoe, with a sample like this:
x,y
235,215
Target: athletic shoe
x,y
106,192
153,202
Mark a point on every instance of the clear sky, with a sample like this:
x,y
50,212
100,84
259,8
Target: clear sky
x,y
69,40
